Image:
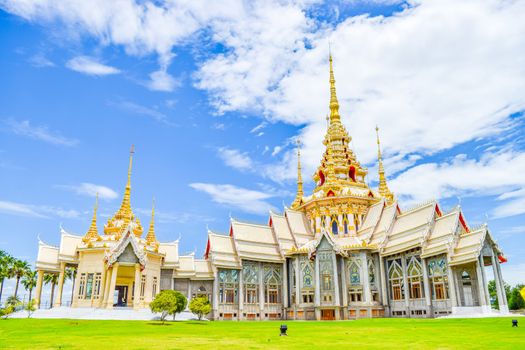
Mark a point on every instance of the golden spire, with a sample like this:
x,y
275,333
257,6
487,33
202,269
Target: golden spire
x,y
300,193
151,239
383,187
124,216
92,233
334,104
339,167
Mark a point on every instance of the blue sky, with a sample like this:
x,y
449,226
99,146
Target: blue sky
x,y
213,97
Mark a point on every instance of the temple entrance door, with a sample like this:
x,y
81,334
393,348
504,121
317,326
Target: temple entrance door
x,y
328,315
467,294
120,296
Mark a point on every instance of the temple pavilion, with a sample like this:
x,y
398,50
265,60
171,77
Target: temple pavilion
x,y
345,251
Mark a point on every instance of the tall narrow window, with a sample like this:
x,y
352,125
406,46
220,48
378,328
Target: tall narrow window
x,y
272,283
142,287
415,278
437,272
250,273
89,286
82,286
228,286
345,224
335,225
96,289
395,275
154,289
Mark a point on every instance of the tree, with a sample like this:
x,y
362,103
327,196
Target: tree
x,y
10,306
6,261
29,282
168,302
200,306
30,307
516,301
18,269
53,279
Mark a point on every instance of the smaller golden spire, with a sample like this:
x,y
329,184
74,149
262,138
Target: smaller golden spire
x,y
300,193
92,233
151,239
383,187
334,103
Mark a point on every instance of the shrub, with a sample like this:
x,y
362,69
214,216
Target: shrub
x,y
516,301
30,307
200,306
168,302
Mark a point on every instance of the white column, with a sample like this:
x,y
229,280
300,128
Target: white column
x,y
317,297
297,281
189,294
452,287
485,282
336,280
114,273
426,286
383,272
136,291
241,293
38,289
344,283
61,275
496,279
405,283
365,278
261,291
216,295
505,308
481,289
284,296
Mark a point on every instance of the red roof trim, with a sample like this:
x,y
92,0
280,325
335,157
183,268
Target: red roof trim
x,y
463,223
207,249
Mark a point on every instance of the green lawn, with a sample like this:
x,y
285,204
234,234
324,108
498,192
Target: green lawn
x,y
491,333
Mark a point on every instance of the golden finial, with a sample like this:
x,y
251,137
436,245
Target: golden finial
x,y
300,192
151,239
334,104
92,233
383,187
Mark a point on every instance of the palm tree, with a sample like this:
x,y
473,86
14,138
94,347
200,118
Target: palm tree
x,y
53,279
18,269
6,261
29,282
71,273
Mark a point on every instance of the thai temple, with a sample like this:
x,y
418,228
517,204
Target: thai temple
x,y
345,251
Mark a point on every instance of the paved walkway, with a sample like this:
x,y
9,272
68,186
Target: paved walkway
x,y
101,314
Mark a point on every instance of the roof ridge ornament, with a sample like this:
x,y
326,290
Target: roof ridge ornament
x,y
383,189
300,192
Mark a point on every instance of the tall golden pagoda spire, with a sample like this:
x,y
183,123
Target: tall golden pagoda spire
x,y
125,216
151,239
339,167
92,233
384,191
300,193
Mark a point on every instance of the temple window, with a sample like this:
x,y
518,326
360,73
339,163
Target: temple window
x,y
142,287
371,272
96,289
321,178
345,224
437,272
228,286
89,285
154,289
307,288
415,277
272,283
355,288
395,277
82,286
335,225
250,275
354,273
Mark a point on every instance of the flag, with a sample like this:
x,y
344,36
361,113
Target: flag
x,y
522,292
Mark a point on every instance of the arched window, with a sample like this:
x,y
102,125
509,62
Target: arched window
x,y
335,225
415,278
345,224
437,272
228,286
355,273
250,276
351,173
395,277
272,284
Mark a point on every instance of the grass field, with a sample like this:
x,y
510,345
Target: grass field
x,y
492,333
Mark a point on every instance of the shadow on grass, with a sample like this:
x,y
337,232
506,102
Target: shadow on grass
x,y
159,323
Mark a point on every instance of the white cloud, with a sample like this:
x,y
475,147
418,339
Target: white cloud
x,y
492,174
247,200
258,127
143,110
90,66
162,81
91,190
36,211
40,61
235,158
173,217
42,133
